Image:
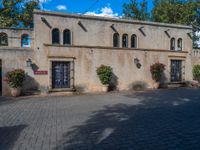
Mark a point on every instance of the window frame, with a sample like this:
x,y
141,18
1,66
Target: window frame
x,y
2,36
180,44
54,42
173,44
27,36
135,41
65,32
125,36
116,39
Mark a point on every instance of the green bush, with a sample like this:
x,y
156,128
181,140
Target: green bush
x,y
105,74
15,78
196,72
157,70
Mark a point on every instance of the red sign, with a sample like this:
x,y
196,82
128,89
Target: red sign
x,y
40,72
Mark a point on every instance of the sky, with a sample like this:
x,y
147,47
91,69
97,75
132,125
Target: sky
x,y
108,8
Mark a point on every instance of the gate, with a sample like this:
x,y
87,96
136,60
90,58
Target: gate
x,y
60,75
176,70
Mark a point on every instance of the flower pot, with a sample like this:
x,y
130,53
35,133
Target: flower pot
x,y
105,88
16,91
156,85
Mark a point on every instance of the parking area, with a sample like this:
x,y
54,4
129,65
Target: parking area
x,y
161,120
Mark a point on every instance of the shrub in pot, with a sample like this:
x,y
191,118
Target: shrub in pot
x,y
157,70
15,80
196,72
105,74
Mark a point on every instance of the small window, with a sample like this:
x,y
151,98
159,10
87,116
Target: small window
x,y
25,40
3,39
125,40
66,36
172,44
180,42
55,36
133,41
115,40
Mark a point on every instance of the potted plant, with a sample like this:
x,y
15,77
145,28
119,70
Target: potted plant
x,y
15,80
105,74
157,70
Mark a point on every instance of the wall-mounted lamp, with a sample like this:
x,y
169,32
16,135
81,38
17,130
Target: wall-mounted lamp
x,y
29,62
136,60
137,63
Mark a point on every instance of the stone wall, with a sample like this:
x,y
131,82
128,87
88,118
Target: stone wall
x,y
126,73
92,47
13,58
14,36
195,57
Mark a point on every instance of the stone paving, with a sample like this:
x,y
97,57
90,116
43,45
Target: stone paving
x,y
152,120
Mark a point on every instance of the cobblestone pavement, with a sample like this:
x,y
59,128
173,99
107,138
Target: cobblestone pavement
x,y
154,120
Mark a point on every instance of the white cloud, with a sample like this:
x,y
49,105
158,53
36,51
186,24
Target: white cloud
x,y
104,12
44,1
61,7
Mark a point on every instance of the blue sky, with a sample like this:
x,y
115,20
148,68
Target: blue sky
x,y
92,7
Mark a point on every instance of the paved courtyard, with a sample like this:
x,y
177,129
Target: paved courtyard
x,y
153,120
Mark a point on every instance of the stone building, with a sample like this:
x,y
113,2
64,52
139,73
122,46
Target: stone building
x,y
63,51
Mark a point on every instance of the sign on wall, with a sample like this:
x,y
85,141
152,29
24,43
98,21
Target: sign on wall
x,y
40,72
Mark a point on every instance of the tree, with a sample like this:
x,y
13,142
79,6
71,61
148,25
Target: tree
x,y
185,12
9,13
136,10
27,17
175,11
17,13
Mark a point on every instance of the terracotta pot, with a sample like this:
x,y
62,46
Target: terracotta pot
x,y
16,91
156,85
105,88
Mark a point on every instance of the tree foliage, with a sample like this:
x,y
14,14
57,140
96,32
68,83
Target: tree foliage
x,y
176,11
185,12
196,72
136,10
17,13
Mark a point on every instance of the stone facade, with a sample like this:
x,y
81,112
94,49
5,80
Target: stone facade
x,y
91,44
196,57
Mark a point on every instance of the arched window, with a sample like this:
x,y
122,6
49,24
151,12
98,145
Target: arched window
x,y
3,39
115,40
25,40
55,36
133,41
66,36
180,44
172,44
125,40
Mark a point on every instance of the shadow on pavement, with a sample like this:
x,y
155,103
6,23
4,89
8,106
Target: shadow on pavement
x,y
8,136
164,119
